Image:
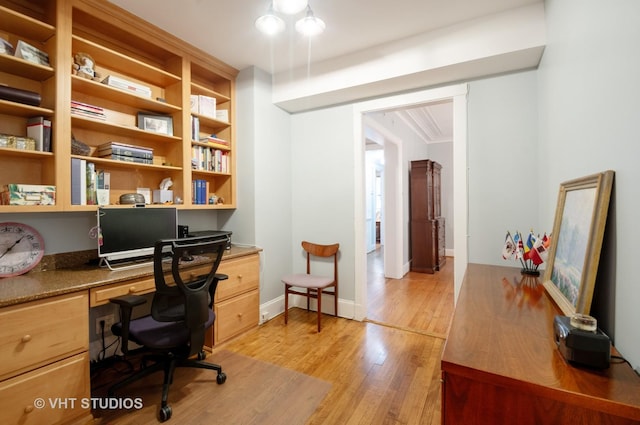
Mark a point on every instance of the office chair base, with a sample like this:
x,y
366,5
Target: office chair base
x,y
165,413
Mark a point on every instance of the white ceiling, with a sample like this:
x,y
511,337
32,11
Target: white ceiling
x,y
225,29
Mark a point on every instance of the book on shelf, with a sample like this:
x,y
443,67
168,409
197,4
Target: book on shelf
x,y
125,158
207,106
214,139
103,184
209,159
199,190
39,129
35,130
123,149
92,196
121,83
46,142
78,181
195,128
87,110
31,53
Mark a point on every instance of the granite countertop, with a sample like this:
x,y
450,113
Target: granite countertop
x,y
44,284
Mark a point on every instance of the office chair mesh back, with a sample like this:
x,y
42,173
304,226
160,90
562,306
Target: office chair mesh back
x,y
187,301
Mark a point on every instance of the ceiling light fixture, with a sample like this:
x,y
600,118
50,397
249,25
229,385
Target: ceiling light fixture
x,y
290,7
271,23
310,25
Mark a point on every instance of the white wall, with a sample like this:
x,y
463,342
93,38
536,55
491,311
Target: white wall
x,y
503,164
264,212
589,111
323,189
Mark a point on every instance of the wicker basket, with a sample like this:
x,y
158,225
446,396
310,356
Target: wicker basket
x,y
79,148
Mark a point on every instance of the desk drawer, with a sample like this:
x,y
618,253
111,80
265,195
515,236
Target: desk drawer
x,y
244,276
236,315
100,296
40,332
66,380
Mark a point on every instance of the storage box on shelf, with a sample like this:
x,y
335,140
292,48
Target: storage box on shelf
x,y
35,85
142,69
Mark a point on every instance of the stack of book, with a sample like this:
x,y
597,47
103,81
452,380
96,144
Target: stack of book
x,y
122,84
199,191
88,111
209,159
124,152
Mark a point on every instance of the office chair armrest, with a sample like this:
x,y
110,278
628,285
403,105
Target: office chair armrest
x,y
220,276
126,303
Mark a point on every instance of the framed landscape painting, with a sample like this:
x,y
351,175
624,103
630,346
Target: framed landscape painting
x,y
576,242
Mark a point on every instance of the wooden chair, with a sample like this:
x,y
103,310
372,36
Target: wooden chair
x,y
314,285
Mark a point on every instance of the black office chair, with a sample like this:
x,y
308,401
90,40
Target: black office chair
x,y
180,313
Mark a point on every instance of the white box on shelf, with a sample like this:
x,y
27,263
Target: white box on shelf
x,y
162,196
207,106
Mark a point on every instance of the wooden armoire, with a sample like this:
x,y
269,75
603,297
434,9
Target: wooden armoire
x,y
426,222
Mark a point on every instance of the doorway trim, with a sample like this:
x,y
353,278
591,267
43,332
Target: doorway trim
x,y
458,94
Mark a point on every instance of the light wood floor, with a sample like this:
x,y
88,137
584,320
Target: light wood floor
x,y
385,370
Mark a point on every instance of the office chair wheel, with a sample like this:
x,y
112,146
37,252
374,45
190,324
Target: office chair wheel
x,y
221,378
202,355
165,413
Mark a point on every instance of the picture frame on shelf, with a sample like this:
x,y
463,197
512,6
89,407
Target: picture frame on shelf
x,y
578,231
162,124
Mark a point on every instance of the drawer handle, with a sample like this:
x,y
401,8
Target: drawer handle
x,y
132,289
239,315
28,409
26,338
239,276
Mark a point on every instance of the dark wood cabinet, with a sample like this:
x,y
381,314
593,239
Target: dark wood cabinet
x,y
501,365
427,225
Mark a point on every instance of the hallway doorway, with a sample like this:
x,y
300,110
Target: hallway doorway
x,y
418,302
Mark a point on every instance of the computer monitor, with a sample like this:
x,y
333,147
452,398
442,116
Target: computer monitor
x,y
131,233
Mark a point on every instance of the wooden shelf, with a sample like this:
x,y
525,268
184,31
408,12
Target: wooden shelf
x,y
122,97
124,64
199,89
120,130
212,122
124,46
25,26
112,163
22,110
25,153
209,173
24,68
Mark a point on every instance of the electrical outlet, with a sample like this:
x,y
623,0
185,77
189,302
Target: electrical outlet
x,y
109,320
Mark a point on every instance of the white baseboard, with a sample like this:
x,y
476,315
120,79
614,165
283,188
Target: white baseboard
x,y
275,307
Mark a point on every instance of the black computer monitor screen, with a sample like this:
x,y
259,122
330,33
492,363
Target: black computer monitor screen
x,y
133,232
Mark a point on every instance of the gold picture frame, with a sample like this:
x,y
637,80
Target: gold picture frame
x,y
578,231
